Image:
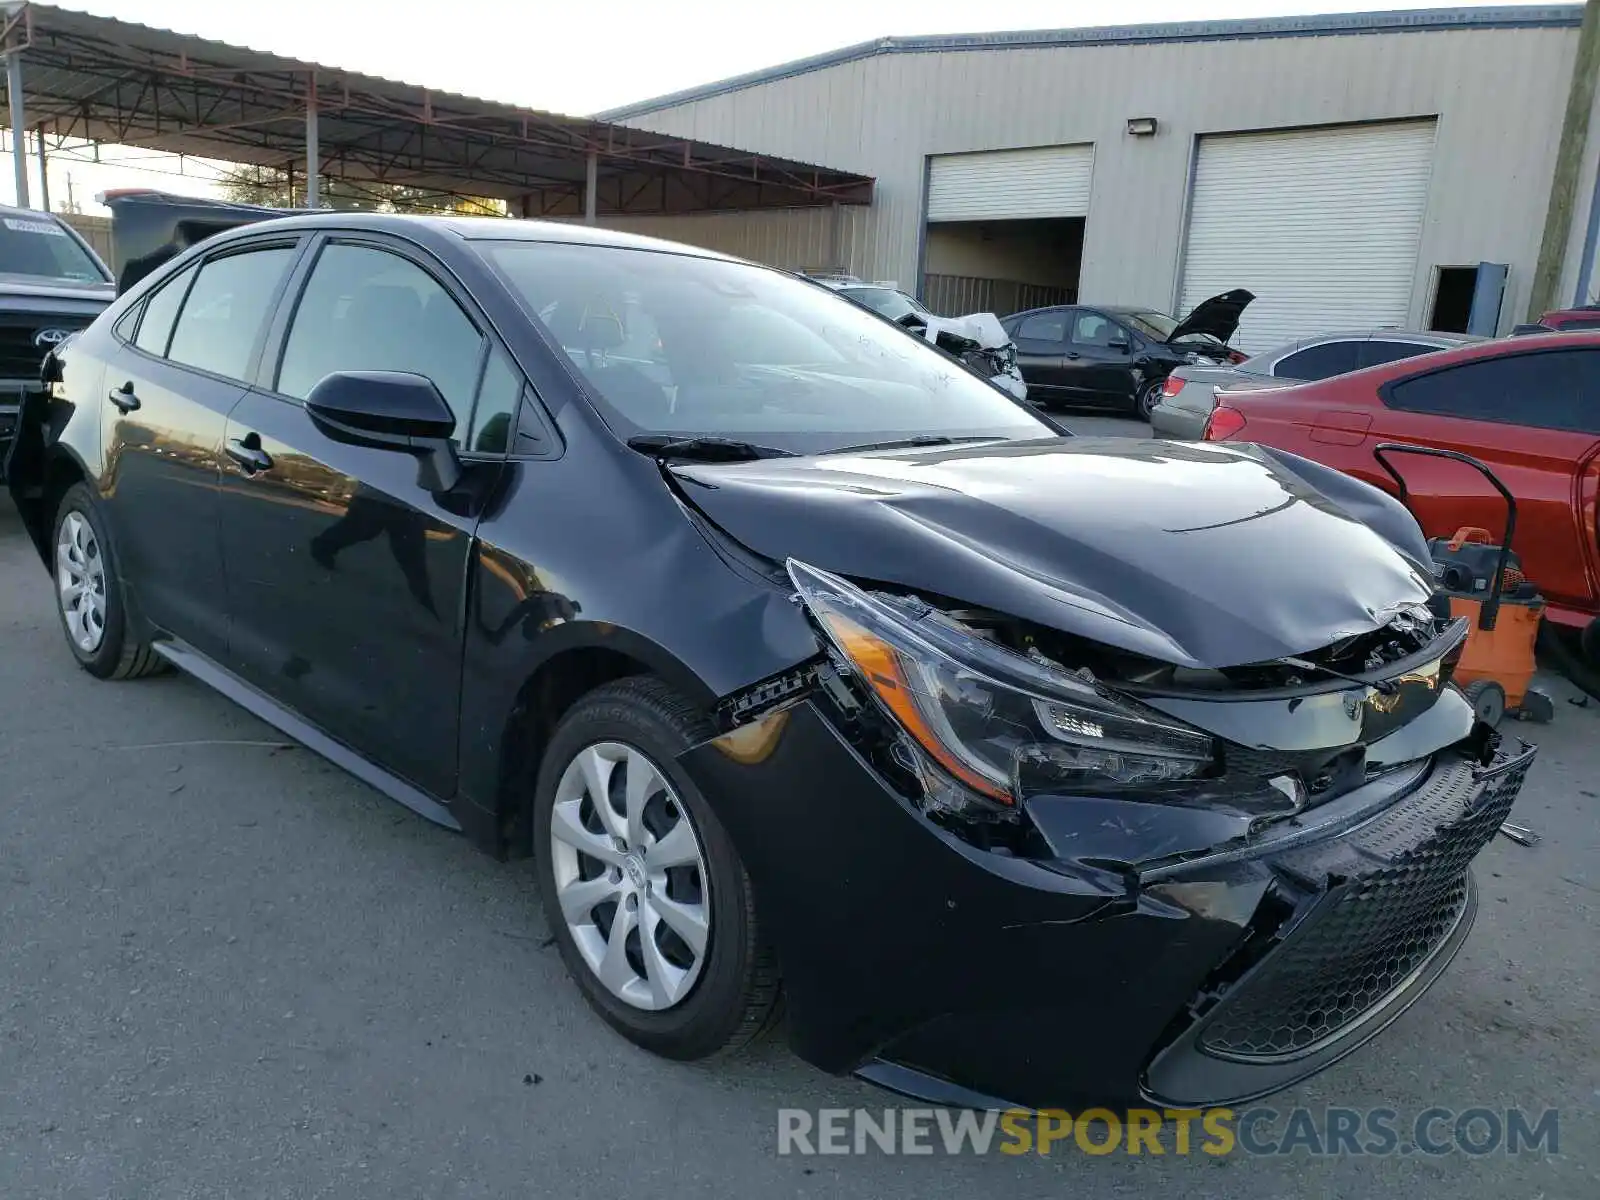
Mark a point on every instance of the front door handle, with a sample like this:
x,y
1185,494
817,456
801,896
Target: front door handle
x,y
1073,354
247,452
124,398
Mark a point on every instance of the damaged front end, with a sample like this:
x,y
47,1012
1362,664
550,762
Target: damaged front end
x,y
1191,885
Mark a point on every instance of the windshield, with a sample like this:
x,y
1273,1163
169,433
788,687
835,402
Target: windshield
x,y
886,302
39,246
1152,324
688,346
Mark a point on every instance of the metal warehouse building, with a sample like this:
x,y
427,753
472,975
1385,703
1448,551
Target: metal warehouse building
x,y
1350,170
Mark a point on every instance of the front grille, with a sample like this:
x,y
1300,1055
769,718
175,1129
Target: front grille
x,y
19,357
1369,935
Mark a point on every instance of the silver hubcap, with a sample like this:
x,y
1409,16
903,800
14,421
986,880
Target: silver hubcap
x,y
81,580
630,876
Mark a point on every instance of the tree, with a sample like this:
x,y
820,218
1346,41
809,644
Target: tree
x,y
270,186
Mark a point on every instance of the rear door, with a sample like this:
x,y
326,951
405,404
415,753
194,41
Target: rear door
x,y
348,578
179,368
1534,418
1041,340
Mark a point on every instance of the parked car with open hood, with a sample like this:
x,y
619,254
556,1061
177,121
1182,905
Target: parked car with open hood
x,y
800,660
52,284
1099,356
977,340
1189,393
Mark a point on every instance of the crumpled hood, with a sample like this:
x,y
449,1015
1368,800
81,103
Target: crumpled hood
x,y
1196,554
983,328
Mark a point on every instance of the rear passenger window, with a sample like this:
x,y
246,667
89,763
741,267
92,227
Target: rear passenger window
x,y
1320,361
155,327
1552,390
366,309
1044,327
1379,351
225,309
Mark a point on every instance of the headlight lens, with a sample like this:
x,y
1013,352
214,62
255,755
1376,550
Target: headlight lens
x,y
999,722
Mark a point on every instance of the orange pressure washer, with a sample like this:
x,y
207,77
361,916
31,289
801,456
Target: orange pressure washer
x,y
1484,582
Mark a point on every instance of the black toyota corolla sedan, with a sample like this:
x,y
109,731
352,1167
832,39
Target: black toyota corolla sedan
x,y
1025,768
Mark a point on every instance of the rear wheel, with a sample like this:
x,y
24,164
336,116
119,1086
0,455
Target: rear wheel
x,y
89,596
646,897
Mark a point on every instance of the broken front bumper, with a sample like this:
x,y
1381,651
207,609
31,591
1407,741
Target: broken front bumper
x,y
960,975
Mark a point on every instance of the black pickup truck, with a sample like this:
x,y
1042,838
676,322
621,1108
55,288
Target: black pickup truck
x,y
52,284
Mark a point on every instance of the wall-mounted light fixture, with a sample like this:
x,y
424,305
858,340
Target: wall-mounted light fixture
x,y
1141,126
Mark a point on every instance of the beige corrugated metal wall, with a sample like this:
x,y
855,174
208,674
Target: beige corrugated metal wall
x,y
1498,94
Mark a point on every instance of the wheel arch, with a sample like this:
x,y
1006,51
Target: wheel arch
x,y
582,657
37,500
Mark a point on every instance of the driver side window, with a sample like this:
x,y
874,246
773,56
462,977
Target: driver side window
x,y
1092,329
368,309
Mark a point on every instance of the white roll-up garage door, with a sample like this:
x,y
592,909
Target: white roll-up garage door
x,y
1321,224
1010,185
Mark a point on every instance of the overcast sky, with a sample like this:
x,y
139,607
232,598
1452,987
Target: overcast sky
x,y
590,55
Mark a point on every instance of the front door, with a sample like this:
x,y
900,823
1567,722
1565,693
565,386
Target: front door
x,y
1100,361
171,385
347,576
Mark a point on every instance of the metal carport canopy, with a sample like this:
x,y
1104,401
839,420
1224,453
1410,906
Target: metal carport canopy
x,y
102,79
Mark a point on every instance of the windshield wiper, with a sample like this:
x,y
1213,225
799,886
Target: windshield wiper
x,y
922,439
704,449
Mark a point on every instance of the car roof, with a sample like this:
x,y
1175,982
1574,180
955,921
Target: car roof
x,y
470,229
11,210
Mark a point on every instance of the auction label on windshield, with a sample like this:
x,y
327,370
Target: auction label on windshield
x,y
24,226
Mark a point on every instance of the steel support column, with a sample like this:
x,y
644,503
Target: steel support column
x,y
591,188
19,141
313,152
44,171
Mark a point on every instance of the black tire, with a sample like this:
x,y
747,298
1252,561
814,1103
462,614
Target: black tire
x,y
735,996
121,653
1148,397
1488,700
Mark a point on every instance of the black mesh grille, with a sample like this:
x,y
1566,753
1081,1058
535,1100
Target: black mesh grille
x,y
1363,940
19,357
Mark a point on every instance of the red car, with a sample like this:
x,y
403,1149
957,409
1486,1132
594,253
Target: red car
x,y
1566,319
1529,407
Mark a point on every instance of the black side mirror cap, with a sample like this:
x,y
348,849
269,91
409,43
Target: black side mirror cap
x,y
390,410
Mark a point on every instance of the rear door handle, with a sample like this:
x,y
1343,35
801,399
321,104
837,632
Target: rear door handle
x,y
123,397
247,452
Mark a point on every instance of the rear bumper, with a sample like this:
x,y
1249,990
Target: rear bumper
x,y
1182,423
961,975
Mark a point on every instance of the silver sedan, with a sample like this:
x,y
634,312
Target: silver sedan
x,y
1189,393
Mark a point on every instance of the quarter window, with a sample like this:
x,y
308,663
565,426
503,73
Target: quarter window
x,y
223,313
366,309
1553,390
155,327
496,408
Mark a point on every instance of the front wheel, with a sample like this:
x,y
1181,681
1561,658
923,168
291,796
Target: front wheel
x,y
1149,396
89,595
646,897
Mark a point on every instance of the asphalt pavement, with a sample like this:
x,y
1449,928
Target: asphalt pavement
x,y
229,970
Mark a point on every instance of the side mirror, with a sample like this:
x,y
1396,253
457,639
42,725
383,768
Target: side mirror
x,y
1120,344
912,320
390,410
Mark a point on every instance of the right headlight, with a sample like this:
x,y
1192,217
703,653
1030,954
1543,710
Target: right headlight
x,y
999,722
